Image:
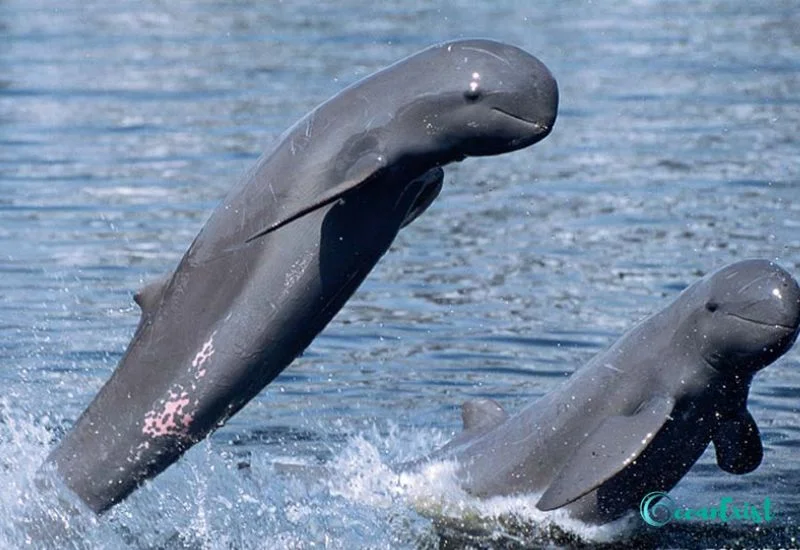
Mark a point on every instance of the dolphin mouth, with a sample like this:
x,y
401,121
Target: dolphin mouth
x,y
537,125
765,323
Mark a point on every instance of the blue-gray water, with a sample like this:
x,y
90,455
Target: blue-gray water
x,y
123,123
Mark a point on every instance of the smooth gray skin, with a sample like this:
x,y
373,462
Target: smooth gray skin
x,y
637,416
290,244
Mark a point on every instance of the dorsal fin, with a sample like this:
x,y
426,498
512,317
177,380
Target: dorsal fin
x,y
482,413
147,298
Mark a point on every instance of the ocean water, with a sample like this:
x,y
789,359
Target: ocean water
x,y
123,123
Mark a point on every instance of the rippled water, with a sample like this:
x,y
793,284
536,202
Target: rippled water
x,y
123,123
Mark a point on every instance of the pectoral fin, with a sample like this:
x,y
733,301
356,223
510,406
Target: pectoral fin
x,y
610,448
360,173
432,185
482,414
738,444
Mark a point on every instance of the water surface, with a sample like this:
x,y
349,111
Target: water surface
x,y
122,125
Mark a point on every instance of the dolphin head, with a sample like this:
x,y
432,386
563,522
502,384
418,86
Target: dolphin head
x,y
478,97
748,314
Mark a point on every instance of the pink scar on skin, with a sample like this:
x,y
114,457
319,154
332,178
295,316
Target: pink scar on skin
x,y
172,417
204,355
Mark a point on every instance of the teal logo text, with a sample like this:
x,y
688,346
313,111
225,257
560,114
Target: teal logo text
x,y
658,509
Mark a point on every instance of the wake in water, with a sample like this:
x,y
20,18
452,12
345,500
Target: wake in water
x,y
457,517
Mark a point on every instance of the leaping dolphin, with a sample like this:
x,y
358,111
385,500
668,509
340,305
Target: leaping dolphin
x,y
636,418
289,245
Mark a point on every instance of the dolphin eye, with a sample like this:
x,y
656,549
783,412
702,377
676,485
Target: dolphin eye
x,y
712,306
473,94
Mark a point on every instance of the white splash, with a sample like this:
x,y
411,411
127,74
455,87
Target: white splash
x,y
363,476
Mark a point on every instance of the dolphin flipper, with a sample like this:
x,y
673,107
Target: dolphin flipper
x,y
482,414
738,444
433,179
610,448
363,170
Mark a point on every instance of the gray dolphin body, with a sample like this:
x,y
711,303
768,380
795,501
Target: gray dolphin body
x,y
289,245
636,418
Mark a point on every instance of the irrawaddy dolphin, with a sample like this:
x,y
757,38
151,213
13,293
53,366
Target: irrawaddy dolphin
x,y
636,418
289,245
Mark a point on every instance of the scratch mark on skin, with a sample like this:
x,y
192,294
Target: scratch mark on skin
x,y
487,52
272,192
295,273
751,283
242,217
609,366
309,124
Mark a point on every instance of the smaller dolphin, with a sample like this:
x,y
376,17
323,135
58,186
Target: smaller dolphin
x,y
636,418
